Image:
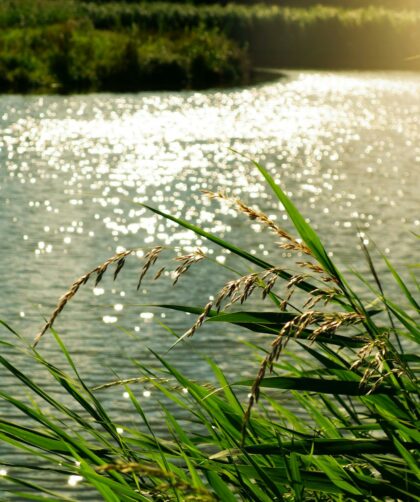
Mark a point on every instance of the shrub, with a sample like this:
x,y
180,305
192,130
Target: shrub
x,y
74,57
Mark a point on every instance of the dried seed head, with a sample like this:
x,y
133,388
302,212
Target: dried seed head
x,y
374,384
255,392
294,245
186,262
199,321
294,329
314,267
129,381
331,322
380,361
270,278
317,295
296,279
373,355
120,265
159,273
238,290
254,214
286,300
151,257
100,270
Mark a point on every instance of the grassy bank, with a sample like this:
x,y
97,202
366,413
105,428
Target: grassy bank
x,y
343,4
74,57
346,4
70,46
319,37
344,362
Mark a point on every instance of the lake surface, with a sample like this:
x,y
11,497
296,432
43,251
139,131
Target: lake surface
x,y
345,146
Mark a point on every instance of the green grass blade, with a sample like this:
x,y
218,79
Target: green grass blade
x,y
349,388
37,488
321,446
401,284
220,487
308,235
295,479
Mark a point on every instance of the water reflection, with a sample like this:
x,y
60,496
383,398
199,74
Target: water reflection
x,y
72,170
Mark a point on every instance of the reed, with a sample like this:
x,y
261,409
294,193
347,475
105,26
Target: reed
x,y
346,361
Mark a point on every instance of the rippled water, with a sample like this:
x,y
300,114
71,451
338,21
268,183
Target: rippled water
x,y
346,146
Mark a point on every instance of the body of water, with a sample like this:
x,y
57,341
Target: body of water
x,y
345,146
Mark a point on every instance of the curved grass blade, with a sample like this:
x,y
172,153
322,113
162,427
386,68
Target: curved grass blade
x,y
37,489
401,284
317,385
34,438
321,446
254,321
308,235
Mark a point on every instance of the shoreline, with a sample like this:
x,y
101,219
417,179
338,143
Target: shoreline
x,y
259,76
123,47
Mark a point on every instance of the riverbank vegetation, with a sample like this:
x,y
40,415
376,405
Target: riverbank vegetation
x,y
74,57
331,414
73,46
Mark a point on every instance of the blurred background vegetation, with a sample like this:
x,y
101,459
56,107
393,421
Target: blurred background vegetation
x,y
101,45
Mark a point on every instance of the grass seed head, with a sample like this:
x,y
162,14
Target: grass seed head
x,y
186,262
199,321
100,270
257,215
151,256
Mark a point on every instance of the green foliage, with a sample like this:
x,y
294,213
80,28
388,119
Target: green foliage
x,y
350,376
286,37
74,57
346,4
328,37
31,13
123,46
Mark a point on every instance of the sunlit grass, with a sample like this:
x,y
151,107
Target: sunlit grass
x,y
346,362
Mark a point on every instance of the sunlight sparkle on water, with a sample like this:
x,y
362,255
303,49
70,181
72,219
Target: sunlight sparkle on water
x,y
74,480
109,319
345,146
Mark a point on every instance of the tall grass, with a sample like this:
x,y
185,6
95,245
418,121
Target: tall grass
x,y
325,37
347,4
344,4
346,361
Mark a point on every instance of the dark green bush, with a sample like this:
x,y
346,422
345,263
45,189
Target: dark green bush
x,y
25,13
74,57
345,4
